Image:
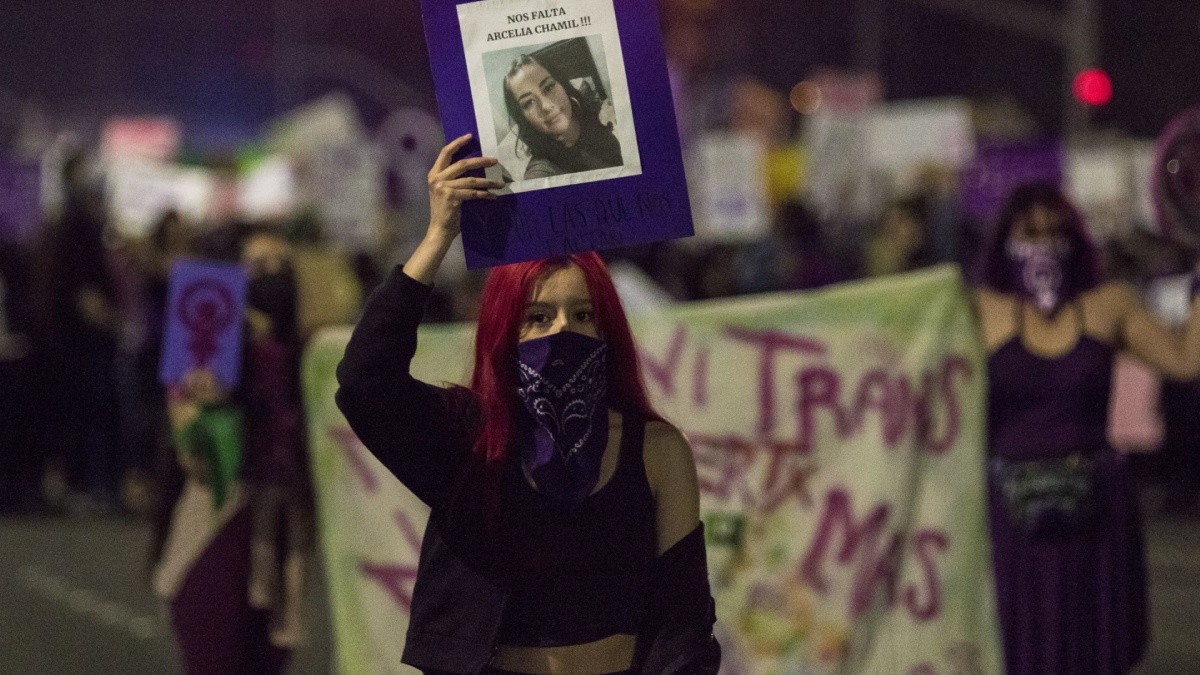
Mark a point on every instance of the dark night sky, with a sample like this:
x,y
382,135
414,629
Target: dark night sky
x,y
210,63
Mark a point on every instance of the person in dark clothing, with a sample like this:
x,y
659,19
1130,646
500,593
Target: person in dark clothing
x,y
1180,451
81,323
564,535
20,457
1066,532
559,126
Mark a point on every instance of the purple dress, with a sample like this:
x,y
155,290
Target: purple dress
x,y
1074,604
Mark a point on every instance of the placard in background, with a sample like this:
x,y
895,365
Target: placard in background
x,y
205,305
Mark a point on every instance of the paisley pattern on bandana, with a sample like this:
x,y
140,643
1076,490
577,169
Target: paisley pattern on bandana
x,y
1039,272
563,386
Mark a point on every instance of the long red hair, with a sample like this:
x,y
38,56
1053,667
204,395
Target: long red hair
x,y
502,309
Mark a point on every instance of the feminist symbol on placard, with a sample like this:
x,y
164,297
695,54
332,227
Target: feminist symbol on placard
x,y
206,307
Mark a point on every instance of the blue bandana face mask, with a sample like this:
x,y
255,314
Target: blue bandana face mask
x,y
562,382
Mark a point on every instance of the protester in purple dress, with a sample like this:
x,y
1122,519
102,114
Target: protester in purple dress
x,y
1067,542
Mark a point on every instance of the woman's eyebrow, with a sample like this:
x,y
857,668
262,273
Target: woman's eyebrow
x,y
571,302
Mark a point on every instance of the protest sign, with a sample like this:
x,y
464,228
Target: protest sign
x,y
345,183
929,131
999,167
20,199
730,172
574,100
839,442
839,185
205,305
267,190
146,138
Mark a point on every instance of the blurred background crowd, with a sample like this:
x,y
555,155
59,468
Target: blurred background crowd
x,y
812,159
823,144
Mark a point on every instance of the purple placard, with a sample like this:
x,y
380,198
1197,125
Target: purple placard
x,y
20,199
1001,166
206,303
640,201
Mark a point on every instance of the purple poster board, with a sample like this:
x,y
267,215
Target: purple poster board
x,y
1001,166
20,199
584,194
205,305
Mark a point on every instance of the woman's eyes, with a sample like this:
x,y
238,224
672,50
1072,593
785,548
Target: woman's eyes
x,y
549,87
541,318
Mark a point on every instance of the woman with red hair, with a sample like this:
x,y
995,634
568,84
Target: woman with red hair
x,y
564,532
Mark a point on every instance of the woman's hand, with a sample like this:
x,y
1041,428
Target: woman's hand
x,y
448,189
202,387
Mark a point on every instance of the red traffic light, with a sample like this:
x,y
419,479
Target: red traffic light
x,y
1092,87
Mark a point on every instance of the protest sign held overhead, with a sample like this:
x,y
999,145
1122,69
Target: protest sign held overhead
x,y
205,305
573,99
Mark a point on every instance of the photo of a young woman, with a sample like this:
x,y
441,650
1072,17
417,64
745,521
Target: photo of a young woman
x,y
561,129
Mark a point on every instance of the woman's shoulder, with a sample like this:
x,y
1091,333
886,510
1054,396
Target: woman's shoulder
x,y
1112,297
666,452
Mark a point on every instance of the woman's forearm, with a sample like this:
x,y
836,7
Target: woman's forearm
x,y
423,265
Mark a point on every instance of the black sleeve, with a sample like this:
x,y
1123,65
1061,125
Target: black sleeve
x,y
678,636
420,432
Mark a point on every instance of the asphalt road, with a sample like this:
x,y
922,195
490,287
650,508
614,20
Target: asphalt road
x,y
75,600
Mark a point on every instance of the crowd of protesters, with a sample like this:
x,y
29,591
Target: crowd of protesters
x,y
81,337
90,430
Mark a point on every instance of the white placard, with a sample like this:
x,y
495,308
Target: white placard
x,y
268,190
581,90
347,189
1098,175
934,131
139,193
731,180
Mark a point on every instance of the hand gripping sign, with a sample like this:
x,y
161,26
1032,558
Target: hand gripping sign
x,y
572,97
205,305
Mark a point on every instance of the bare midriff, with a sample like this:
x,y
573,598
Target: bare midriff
x,y
612,654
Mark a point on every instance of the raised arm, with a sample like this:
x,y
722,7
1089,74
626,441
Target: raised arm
x,y
1173,352
420,432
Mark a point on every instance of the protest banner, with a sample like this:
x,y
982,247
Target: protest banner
x,y
838,438
205,306
574,100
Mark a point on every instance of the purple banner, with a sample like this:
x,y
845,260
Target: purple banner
x,y
206,302
20,199
575,101
1001,166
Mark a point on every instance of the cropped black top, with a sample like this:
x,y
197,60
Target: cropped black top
x,y
581,574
